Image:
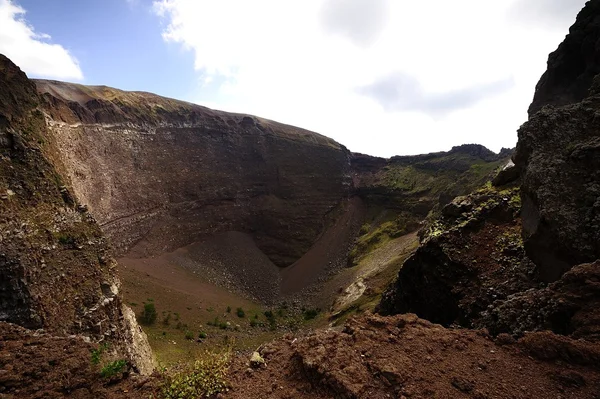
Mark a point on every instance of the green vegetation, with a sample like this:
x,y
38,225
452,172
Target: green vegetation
x,y
310,314
189,335
373,238
202,335
228,310
97,353
207,377
113,368
149,314
240,313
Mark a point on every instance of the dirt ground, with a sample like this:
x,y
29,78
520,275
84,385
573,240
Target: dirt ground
x,y
405,357
36,365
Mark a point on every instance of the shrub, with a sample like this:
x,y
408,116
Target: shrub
x,y
202,335
310,314
207,377
253,323
189,335
167,319
113,368
149,314
240,313
228,309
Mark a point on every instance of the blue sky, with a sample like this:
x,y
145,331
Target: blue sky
x,y
116,43
383,77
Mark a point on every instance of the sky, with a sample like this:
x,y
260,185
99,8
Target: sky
x,y
382,77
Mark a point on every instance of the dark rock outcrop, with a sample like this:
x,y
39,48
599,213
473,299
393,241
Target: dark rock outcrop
x,y
159,174
573,66
55,269
469,258
569,306
559,155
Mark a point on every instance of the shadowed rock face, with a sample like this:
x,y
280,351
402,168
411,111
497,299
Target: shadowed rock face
x,y
573,66
159,174
55,270
559,152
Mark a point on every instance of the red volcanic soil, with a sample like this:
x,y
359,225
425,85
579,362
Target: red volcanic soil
x,y
405,357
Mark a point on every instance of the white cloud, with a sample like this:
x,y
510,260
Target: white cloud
x,y
30,50
472,70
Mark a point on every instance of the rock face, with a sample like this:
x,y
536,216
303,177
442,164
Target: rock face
x,y
569,306
559,154
468,259
573,66
159,174
55,269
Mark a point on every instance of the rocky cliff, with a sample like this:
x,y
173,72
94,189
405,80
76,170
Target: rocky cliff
x,y
55,270
573,66
159,174
559,154
488,260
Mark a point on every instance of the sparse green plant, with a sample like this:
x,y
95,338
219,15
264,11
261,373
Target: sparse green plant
x,y
167,319
113,368
310,314
97,353
253,323
228,309
189,335
240,313
202,335
149,314
207,377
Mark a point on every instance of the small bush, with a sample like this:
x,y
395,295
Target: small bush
x,y
206,378
228,309
189,335
149,314
240,313
113,368
223,326
167,319
202,335
310,314
253,323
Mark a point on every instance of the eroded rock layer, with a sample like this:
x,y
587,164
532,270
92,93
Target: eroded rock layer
x,y
162,173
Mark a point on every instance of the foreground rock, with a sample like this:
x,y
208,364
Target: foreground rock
x,y
468,259
406,357
40,365
559,154
55,269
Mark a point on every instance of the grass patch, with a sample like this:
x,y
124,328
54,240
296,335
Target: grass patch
x,y
205,378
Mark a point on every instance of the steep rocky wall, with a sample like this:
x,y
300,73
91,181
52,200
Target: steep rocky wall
x,y
573,66
159,174
559,153
55,270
